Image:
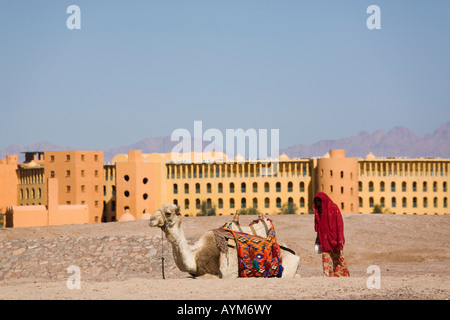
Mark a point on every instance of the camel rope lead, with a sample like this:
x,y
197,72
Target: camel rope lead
x,y
162,253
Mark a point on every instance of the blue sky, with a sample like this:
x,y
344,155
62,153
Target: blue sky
x,y
138,69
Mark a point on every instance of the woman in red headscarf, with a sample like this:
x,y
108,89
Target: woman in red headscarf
x,y
329,226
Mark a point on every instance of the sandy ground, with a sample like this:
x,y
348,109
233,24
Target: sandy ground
x,y
412,254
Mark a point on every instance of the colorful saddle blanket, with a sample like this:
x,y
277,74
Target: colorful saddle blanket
x,y
257,256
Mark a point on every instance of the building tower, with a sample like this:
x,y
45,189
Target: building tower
x,y
337,176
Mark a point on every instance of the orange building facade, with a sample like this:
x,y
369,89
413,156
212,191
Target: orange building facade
x,y
134,185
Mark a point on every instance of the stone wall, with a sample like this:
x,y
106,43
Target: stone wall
x,y
100,258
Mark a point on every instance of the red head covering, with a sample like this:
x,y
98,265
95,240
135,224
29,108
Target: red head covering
x,y
329,224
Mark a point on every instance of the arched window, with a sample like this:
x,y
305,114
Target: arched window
x,y
393,186
370,186
302,187
404,202
382,186
371,204
278,187
266,203
243,203
208,188
278,202
220,188
424,186
360,202
266,187
220,203
243,187
175,188
255,187
393,202
403,186
290,186
255,203
425,202
186,203
197,188
231,203
186,188
414,202
302,202
197,203
231,187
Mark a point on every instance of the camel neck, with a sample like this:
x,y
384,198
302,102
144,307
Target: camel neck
x,y
182,251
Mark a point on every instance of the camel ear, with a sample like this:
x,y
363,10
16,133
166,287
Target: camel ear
x,y
177,211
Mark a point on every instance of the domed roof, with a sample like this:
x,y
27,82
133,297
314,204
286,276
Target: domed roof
x,y
370,156
239,158
283,157
126,217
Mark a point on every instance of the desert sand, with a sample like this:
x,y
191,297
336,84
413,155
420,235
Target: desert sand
x,y
122,260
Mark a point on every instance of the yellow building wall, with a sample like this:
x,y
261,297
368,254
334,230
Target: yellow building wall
x,y
109,193
337,176
231,187
419,186
80,175
137,184
8,182
31,186
51,215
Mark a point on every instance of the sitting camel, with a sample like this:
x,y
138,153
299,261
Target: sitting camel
x,y
204,256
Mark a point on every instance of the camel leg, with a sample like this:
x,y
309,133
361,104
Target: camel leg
x,y
229,265
290,264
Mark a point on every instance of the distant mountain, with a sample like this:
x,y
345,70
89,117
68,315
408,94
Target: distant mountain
x,y
397,142
40,146
147,145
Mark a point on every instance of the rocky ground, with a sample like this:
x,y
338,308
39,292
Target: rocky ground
x,y
122,260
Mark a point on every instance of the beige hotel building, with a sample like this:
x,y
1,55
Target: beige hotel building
x,y
134,185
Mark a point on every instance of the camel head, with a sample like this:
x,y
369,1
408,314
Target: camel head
x,y
167,216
